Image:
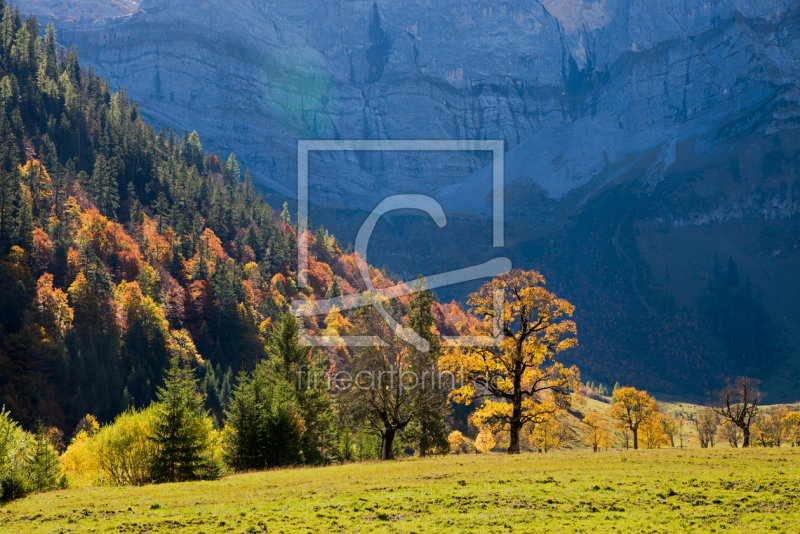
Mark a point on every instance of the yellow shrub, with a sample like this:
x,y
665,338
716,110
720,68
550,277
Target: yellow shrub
x,y
80,464
124,449
118,454
485,441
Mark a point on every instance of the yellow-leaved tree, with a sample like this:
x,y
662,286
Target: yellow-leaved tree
x,y
517,375
654,431
792,421
549,435
631,409
458,443
598,435
485,441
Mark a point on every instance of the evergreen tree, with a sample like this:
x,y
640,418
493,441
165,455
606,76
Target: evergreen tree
x,y
103,187
25,223
267,430
429,432
286,217
43,464
334,290
302,372
232,171
194,152
181,430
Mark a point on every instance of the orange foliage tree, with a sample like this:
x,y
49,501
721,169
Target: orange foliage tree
x,y
518,377
50,308
631,409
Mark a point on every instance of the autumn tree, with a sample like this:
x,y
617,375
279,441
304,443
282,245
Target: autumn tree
x,y
50,308
681,431
631,409
738,402
706,423
652,431
549,434
778,426
731,433
792,422
458,443
598,435
668,426
485,441
517,375
392,384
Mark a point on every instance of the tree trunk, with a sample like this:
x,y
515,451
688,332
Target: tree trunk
x,y
595,447
387,445
635,438
513,442
746,439
516,427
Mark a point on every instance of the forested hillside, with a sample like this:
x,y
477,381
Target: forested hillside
x,y
122,246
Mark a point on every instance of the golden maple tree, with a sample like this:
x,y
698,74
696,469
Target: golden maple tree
x,y
598,435
517,376
631,409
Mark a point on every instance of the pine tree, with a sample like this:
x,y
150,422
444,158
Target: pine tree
x,y
25,223
194,152
232,171
43,465
286,217
248,189
103,187
302,372
73,67
161,205
429,432
181,429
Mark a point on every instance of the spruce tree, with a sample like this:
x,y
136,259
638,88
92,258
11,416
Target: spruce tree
x,y
295,365
267,430
285,215
181,429
103,187
232,171
44,465
25,223
429,432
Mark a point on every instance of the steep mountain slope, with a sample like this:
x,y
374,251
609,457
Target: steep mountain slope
x,y
583,88
77,10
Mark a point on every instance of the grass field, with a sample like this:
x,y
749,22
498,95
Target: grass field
x,y
667,490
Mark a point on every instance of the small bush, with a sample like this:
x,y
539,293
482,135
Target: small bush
x,y
13,486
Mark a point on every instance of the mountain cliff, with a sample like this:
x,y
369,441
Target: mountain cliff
x,y
578,88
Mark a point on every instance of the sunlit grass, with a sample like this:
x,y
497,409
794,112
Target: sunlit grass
x,y
668,490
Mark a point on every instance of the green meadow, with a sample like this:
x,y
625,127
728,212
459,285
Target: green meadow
x,y
666,490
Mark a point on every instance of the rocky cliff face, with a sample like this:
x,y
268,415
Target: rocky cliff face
x,y
71,11
578,90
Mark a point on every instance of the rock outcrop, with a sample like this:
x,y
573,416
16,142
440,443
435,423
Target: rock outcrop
x,y
71,11
578,90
